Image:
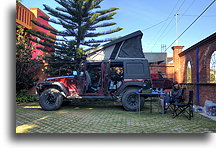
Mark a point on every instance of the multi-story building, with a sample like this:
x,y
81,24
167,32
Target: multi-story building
x,y
23,18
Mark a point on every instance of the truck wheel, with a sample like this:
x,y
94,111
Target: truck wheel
x,y
51,99
130,100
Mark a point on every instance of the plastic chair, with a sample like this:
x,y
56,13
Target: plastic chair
x,y
184,108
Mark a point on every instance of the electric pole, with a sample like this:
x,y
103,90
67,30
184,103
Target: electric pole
x,y
163,47
176,16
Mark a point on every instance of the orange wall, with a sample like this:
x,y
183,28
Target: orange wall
x,y
37,12
24,17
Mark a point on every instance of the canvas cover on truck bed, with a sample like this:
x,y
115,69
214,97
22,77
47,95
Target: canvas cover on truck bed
x,y
126,47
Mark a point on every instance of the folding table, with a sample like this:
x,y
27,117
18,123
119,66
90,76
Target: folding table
x,y
152,94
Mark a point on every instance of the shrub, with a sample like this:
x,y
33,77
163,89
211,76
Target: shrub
x,y
24,97
26,67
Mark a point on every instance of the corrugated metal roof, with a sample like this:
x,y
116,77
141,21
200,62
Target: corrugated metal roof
x,y
155,56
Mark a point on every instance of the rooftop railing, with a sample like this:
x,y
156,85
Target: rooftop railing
x,y
24,16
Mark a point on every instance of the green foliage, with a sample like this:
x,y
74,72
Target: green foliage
x,y
212,76
24,97
23,46
62,61
82,22
18,1
189,80
25,66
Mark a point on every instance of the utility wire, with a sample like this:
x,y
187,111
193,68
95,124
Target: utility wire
x,y
180,17
157,24
191,23
197,15
169,22
187,9
167,18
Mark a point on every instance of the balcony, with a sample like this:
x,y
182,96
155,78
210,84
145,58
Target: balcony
x,y
24,16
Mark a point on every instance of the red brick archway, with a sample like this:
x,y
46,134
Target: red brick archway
x,y
199,55
188,59
209,53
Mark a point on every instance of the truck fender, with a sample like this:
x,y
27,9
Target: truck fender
x,y
41,86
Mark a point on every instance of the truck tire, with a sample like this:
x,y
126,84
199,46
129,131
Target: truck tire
x,y
51,99
130,100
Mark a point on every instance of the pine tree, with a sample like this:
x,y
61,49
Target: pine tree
x,y
80,20
83,22
62,61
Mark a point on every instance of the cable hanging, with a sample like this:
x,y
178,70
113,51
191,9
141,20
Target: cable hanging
x,y
165,29
191,24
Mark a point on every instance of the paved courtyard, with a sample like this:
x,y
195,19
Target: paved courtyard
x,y
105,118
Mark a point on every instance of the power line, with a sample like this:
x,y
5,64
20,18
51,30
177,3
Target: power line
x,y
157,24
197,15
168,17
187,9
165,19
191,23
180,17
162,34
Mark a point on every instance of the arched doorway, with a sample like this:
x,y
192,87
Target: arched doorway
x,y
213,68
189,78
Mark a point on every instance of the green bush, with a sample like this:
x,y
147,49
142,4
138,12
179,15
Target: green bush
x,y
26,67
24,97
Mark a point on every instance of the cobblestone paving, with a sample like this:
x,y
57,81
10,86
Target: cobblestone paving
x,y
104,118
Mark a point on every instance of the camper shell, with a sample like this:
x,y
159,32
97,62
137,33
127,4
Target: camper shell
x,y
127,47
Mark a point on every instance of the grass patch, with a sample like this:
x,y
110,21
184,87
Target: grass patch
x,y
107,117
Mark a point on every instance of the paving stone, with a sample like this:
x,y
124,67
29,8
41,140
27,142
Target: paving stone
x,y
106,118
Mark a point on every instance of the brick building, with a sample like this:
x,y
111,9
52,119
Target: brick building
x,y
199,56
24,17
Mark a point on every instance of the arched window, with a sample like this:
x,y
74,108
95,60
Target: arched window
x,y
213,68
189,72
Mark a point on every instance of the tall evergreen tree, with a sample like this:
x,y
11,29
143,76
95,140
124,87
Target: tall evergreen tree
x,y
80,19
62,61
82,22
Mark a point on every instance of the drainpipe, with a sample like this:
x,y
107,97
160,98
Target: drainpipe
x,y
197,77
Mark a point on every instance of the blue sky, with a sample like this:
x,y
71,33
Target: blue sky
x,y
136,15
